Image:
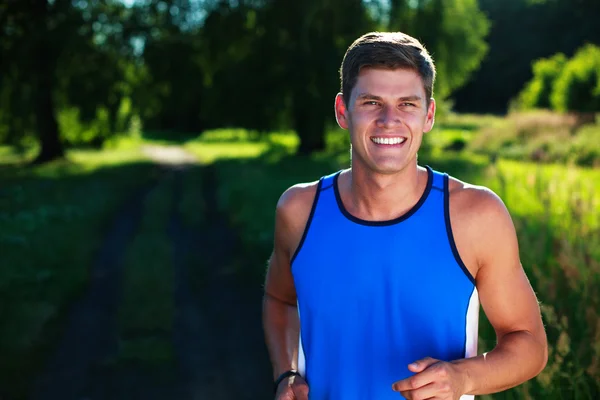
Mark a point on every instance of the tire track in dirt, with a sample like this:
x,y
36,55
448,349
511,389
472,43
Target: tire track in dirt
x,y
218,333
90,335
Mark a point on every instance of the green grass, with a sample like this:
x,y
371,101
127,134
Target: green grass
x,y
541,136
146,311
556,210
52,220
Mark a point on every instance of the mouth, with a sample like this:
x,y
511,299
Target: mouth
x,y
388,141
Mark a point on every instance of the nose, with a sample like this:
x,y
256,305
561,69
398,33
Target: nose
x,y
389,118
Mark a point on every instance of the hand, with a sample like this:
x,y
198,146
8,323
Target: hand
x,y
292,388
434,379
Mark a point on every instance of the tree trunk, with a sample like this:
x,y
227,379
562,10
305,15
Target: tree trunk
x,y
310,127
50,146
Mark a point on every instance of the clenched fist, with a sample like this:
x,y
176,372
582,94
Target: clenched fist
x,y
292,388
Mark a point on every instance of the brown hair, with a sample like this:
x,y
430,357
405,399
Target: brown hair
x,y
387,50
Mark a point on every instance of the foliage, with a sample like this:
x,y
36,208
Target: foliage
x,y
541,136
578,86
522,32
186,66
454,33
536,93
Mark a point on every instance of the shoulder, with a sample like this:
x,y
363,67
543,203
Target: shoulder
x,y
292,214
475,202
481,223
297,198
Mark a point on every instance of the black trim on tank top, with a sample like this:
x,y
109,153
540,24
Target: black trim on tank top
x,y
401,218
457,257
310,217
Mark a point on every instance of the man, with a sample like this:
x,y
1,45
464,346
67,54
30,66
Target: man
x,y
377,272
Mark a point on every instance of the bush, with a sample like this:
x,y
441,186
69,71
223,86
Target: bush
x,y
537,92
541,136
578,86
585,148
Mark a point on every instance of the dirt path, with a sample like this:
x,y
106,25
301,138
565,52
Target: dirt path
x,y
221,323
217,334
90,334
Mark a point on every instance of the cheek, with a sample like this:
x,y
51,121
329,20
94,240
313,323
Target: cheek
x,y
361,121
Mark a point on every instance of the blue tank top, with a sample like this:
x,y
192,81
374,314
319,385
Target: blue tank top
x,y
374,296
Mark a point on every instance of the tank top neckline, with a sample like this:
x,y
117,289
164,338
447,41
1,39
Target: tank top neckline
x,y
394,221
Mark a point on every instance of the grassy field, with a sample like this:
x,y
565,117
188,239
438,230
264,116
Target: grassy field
x,y
555,208
53,219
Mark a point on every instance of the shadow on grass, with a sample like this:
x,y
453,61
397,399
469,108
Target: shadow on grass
x,y
53,220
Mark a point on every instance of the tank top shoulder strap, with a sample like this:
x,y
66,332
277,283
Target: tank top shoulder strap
x,y
327,181
439,181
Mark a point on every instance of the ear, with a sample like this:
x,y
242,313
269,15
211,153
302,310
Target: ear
x,y
430,118
341,112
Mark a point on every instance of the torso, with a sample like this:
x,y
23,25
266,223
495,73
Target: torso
x,y
374,295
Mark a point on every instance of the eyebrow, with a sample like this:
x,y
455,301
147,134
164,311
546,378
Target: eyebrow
x,y
368,96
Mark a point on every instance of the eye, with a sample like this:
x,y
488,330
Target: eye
x,y
371,103
407,104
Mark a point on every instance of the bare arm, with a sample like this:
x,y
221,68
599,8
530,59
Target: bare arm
x,y
280,313
487,241
509,303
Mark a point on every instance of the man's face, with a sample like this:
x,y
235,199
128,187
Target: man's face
x,y
386,116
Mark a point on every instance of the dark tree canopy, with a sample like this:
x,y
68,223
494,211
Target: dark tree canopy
x,y
74,72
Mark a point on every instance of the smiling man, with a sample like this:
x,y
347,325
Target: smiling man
x,y
377,273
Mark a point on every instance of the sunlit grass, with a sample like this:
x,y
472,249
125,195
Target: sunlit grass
x,y
556,210
236,144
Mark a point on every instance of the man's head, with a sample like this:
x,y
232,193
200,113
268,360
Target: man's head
x,y
393,50
386,103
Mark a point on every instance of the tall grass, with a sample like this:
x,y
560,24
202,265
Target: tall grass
x,y
556,211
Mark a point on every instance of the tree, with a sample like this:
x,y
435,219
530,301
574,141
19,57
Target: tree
x,y
53,55
577,87
453,31
536,93
523,31
308,41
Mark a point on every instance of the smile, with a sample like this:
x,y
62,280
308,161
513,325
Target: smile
x,y
390,140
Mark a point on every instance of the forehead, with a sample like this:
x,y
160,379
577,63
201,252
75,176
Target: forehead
x,y
386,82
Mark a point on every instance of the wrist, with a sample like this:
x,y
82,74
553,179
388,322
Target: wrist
x,y
284,377
466,379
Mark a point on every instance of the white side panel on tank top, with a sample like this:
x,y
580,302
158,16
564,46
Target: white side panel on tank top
x,y
472,327
301,359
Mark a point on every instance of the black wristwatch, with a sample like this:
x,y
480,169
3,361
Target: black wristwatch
x,y
286,374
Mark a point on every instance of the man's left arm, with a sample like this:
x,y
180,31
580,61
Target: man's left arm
x,y
510,305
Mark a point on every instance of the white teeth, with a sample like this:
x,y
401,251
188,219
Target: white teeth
x,y
395,140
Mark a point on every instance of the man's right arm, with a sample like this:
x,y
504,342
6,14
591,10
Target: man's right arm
x,y
280,313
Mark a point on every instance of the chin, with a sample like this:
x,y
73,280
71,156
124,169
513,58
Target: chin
x,y
388,169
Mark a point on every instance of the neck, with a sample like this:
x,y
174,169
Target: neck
x,y
380,197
